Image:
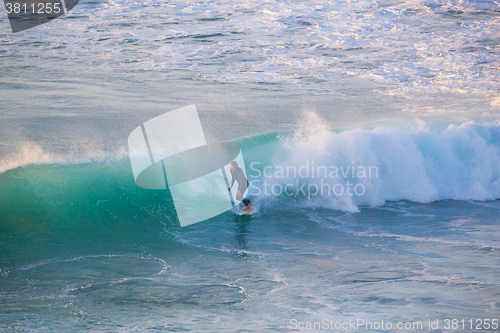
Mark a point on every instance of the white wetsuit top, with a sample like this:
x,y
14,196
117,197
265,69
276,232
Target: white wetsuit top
x,y
239,176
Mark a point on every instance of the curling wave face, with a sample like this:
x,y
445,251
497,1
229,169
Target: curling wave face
x,y
81,240
421,164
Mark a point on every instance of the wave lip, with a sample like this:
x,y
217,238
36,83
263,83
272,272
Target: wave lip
x,y
30,153
419,164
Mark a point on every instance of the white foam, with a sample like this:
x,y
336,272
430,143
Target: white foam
x,y
418,163
29,153
409,47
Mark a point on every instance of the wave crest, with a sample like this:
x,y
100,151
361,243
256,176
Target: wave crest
x,y
422,164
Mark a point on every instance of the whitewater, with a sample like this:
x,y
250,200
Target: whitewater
x,y
113,256
396,103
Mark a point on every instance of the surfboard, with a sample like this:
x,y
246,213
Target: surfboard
x,y
248,212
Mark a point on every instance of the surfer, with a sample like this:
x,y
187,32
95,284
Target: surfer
x,y
243,184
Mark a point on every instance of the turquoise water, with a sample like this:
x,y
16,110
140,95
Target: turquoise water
x,y
406,89
84,248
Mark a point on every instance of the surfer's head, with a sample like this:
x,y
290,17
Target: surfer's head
x,y
234,165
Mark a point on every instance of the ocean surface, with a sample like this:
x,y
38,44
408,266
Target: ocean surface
x,y
371,136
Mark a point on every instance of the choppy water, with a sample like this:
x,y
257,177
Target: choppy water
x,y
84,248
410,87
251,67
